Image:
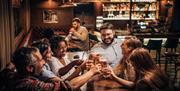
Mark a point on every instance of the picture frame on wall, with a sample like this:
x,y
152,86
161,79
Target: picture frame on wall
x,y
50,16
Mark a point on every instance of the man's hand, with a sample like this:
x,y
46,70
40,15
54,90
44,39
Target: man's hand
x,y
72,30
96,68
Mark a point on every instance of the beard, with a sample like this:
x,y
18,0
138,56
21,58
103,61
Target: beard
x,y
75,27
108,41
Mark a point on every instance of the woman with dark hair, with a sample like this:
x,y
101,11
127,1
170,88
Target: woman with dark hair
x,y
61,65
147,76
130,43
29,63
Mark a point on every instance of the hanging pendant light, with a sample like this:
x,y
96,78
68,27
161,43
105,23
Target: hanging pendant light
x,y
93,0
66,3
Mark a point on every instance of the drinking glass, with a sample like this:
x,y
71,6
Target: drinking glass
x,y
105,69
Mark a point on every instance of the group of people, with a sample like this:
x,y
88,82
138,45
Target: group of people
x,y
44,65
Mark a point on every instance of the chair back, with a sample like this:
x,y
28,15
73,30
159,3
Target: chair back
x,y
154,44
171,43
93,37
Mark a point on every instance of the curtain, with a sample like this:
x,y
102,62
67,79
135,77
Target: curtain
x,y
6,33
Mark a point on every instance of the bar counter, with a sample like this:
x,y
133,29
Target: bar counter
x,y
156,35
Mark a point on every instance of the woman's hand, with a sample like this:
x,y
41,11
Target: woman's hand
x,y
72,30
96,68
89,64
111,72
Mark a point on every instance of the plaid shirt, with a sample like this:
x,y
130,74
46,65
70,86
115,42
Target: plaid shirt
x,y
33,84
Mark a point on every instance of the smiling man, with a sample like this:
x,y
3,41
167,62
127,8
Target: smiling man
x,y
110,46
29,64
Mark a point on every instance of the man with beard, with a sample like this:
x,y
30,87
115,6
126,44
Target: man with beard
x,y
29,63
78,35
110,46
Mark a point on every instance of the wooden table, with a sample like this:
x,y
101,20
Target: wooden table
x,y
103,84
82,55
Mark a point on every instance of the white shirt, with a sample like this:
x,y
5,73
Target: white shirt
x,y
55,65
112,52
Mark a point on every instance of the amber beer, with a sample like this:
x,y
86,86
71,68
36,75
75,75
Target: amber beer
x,y
89,63
105,71
103,62
95,57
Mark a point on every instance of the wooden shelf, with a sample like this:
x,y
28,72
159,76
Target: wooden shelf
x,y
116,18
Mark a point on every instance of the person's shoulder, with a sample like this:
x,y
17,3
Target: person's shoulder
x,y
54,58
83,28
98,45
142,85
47,74
118,40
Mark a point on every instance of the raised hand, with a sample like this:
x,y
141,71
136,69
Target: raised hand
x,y
110,72
72,30
89,64
96,68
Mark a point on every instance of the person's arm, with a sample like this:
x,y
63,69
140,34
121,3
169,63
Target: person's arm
x,y
82,35
36,85
77,71
7,76
74,74
122,81
80,80
55,79
55,66
64,70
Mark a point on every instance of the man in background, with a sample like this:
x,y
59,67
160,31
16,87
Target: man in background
x,y
78,35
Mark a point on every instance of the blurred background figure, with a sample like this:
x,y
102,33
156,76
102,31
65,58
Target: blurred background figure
x,y
78,35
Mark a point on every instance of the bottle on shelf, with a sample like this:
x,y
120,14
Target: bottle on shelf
x,y
121,10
